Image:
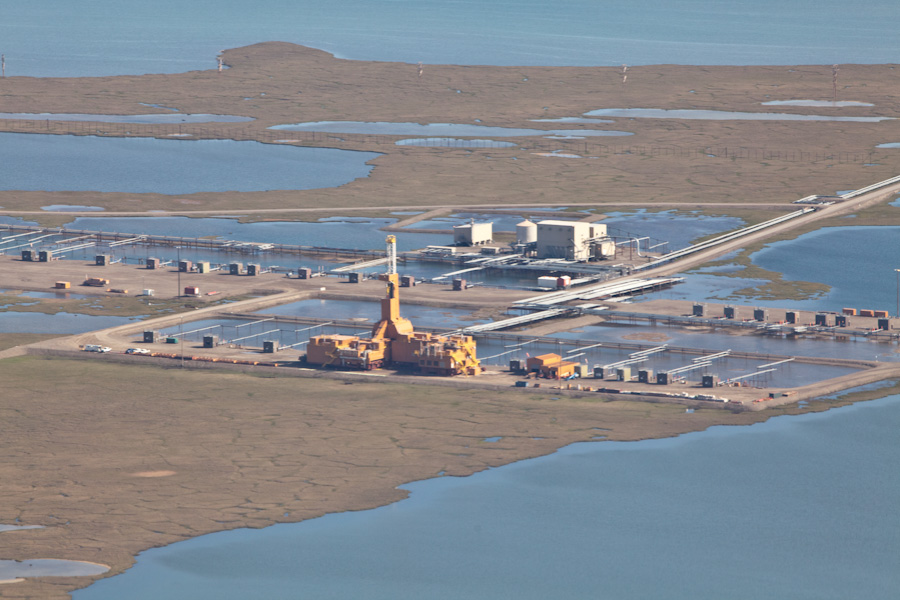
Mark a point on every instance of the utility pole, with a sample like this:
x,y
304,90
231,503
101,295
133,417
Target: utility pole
x,y
834,70
897,314
178,266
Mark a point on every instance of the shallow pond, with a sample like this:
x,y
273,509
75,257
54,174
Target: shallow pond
x,y
491,351
334,232
48,567
421,316
54,294
444,142
72,208
679,229
435,129
739,340
827,103
62,322
788,375
151,118
141,165
721,115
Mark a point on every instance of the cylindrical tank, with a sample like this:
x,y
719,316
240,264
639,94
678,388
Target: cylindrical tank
x,y
526,232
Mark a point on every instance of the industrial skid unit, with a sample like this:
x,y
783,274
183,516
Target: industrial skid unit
x,y
394,342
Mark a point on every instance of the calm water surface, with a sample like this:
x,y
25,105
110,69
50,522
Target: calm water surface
x,y
857,262
151,118
721,115
62,323
797,507
62,38
138,165
431,129
340,232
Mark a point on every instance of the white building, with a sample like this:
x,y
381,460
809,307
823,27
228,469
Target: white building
x,y
473,234
570,240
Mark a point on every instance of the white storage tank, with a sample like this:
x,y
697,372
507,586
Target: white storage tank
x,y
526,232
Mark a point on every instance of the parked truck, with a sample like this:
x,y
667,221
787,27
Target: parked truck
x,y
96,282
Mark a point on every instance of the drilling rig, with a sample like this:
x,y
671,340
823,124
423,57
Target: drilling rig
x,y
394,341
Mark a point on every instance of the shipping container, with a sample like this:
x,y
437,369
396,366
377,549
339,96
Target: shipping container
x,y
547,282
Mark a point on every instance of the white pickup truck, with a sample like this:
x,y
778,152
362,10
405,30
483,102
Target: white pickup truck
x,y
96,348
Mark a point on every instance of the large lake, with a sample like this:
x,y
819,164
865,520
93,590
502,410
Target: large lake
x,y
108,37
137,165
797,507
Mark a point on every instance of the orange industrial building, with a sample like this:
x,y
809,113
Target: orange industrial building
x,y
394,342
551,366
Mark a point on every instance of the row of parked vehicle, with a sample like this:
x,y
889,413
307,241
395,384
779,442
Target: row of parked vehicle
x,y
104,349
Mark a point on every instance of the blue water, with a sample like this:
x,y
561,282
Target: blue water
x,y
797,507
48,567
739,340
72,208
444,142
437,129
108,37
721,115
152,118
61,323
679,229
421,316
137,165
492,352
332,232
822,256
826,103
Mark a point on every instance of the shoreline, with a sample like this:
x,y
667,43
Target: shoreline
x,y
573,420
